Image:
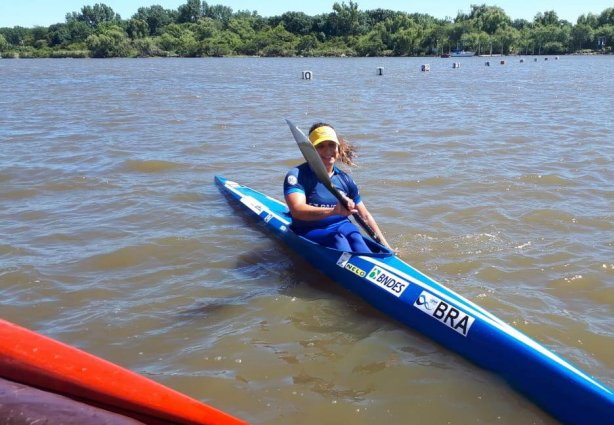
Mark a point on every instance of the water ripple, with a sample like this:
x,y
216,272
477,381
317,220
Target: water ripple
x,y
496,181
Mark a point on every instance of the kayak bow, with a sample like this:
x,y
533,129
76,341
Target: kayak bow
x,y
409,296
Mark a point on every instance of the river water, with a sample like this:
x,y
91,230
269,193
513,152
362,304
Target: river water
x,y
497,181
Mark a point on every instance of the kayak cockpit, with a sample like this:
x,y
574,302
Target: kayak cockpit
x,y
377,249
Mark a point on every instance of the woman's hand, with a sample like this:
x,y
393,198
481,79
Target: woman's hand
x,y
341,210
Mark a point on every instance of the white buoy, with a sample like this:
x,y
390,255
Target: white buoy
x,y
456,65
426,67
380,70
307,75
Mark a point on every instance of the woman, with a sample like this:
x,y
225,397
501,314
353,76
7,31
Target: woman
x,y
316,213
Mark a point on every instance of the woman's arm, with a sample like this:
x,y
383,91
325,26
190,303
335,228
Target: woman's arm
x,y
301,210
366,216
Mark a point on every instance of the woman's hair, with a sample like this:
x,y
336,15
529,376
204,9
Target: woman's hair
x,y
347,151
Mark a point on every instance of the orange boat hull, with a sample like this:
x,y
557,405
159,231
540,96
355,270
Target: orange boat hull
x,y
35,360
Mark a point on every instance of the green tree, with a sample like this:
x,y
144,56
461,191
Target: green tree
x,y
195,28
525,43
95,15
275,41
582,35
606,17
222,43
507,38
372,43
110,41
206,28
307,45
380,15
521,24
428,33
346,19
457,30
219,13
590,20
406,42
242,27
606,31
484,42
257,22
335,46
17,36
58,35
137,28
547,18
156,17
488,18
4,45
295,22
321,27
40,34
147,47
477,41
190,12
179,39
79,31
554,48
440,34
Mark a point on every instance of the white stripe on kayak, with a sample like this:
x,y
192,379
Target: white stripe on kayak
x,y
252,203
497,323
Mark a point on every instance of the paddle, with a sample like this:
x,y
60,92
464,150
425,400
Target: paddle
x,y
314,161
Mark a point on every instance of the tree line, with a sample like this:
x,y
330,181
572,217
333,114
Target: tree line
x,y
197,29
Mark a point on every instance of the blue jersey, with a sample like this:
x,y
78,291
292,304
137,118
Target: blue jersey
x,y
302,179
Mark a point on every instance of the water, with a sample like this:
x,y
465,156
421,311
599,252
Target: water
x,y
497,181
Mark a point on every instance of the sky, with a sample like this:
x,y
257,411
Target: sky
x,y
31,13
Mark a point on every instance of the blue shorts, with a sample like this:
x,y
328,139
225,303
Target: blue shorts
x,y
343,235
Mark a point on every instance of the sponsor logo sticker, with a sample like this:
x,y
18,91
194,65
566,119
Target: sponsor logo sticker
x,y
356,270
387,281
444,312
292,180
343,259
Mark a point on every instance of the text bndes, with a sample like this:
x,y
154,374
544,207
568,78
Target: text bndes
x,y
389,282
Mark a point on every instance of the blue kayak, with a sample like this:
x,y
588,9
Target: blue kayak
x,y
407,295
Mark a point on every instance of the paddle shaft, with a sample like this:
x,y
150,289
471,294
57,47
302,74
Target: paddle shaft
x,y
356,216
314,161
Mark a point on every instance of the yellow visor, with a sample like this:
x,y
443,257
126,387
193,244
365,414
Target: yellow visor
x,y
322,134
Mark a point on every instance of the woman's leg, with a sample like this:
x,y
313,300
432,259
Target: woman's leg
x,y
352,234
330,237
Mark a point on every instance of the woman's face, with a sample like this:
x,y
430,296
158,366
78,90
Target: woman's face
x,y
328,151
